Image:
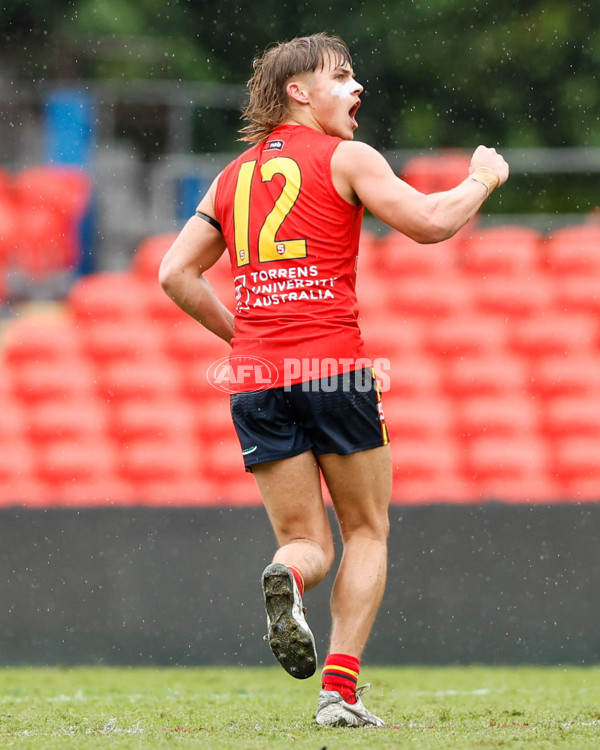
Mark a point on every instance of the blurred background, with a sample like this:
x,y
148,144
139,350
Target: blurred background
x,y
115,118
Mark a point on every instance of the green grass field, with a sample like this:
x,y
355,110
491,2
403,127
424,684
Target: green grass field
x,y
223,708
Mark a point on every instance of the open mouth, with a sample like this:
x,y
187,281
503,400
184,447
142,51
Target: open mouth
x,y
352,113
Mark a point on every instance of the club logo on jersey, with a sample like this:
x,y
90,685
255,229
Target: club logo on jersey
x,y
236,373
242,294
274,146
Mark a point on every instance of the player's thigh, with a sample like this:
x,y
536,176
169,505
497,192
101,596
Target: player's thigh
x,y
360,485
292,496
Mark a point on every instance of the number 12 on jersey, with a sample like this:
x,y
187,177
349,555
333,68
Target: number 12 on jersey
x,y
270,247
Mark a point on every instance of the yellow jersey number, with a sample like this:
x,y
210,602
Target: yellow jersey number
x,y
270,247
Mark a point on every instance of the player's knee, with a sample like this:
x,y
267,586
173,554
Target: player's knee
x,y
379,530
375,527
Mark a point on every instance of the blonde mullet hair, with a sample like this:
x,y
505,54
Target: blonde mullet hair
x,y
268,105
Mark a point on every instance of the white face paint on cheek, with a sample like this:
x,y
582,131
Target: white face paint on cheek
x,y
344,90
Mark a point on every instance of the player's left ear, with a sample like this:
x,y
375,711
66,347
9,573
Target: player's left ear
x,y
298,91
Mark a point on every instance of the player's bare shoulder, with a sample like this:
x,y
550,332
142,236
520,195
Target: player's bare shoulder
x,y
347,153
353,160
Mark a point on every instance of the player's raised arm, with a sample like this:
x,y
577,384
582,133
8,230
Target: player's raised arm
x,y
360,172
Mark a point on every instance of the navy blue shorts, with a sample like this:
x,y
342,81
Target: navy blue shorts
x,y
339,414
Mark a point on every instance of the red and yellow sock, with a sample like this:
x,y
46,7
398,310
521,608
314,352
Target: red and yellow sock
x,y
298,577
341,673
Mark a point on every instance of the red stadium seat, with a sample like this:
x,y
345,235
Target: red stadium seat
x,y
372,293
450,488
47,244
188,341
419,417
426,470
578,293
16,463
399,337
402,256
512,296
528,489
38,340
75,460
430,297
90,491
111,341
508,250
18,482
64,189
516,469
9,239
51,201
77,418
581,489
222,458
411,375
506,457
6,383
574,250
576,374
63,380
466,335
165,470
571,416
150,379
27,492
159,460
554,334
238,488
168,419
108,296
431,458
512,415
188,491
213,420
13,420
577,459
485,375
149,254
370,258
431,173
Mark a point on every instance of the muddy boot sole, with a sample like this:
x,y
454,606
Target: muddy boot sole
x,y
290,638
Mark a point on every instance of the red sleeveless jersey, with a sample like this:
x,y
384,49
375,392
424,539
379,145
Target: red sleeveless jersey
x,y
293,245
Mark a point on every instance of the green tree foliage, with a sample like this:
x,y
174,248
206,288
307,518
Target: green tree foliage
x,y
436,72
